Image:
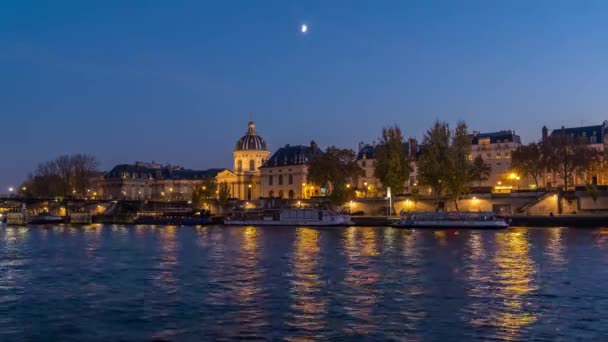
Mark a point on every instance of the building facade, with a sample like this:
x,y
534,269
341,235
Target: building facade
x,y
249,154
368,185
495,149
595,137
285,174
150,181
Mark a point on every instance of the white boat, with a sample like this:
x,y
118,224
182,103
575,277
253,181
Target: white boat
x,y
288,217
448,220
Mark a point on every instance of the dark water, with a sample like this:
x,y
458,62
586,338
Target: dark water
x,y
108,283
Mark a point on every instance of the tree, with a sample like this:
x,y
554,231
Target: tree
x,y
67,175
529,161
480,170
443,164
567,155
459,179
392,166
223,195
432,171
335,169
203,194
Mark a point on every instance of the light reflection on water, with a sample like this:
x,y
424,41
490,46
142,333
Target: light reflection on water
x,y
227,283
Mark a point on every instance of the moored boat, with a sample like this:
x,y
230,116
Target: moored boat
x,y
449,220
47,218
288,217
172,217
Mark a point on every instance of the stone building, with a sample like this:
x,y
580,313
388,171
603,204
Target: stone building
x,y
284,175
249,154
150,181
370,186
596,137
496,148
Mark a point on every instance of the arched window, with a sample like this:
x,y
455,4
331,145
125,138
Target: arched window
x,y
251,165
271,194
280,193
239,166
291,194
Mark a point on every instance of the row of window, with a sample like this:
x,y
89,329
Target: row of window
x,y
239,165
291,194
289,180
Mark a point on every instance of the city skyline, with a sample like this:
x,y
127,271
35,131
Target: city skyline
x,y
179,84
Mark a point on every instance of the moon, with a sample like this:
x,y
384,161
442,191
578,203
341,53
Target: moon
x,y
304,28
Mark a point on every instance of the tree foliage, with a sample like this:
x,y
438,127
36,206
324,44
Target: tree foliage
x,y
459,179
443,165
392,166
432,171
204,193
529,161
223,195
480,170
335,169
567,155
67,175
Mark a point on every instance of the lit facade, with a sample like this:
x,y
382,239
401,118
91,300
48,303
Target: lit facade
x,y
150,181
370,186
495,149
249,154
285,174
596,138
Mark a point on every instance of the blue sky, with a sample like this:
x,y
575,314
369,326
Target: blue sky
x,y
176,81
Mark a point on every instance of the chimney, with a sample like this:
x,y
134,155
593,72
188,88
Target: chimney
x,y
313,147
361,145
545,133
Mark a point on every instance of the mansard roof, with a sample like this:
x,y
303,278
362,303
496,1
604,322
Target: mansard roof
x,y
292,155
156,171
495,137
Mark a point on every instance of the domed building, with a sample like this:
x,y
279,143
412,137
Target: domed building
x,y
250,153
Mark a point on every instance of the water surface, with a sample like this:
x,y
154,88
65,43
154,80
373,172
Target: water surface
x,y
139,283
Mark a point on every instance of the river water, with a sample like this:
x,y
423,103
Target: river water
x,y
110,283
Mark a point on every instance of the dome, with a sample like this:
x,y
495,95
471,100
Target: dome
x,y
251,141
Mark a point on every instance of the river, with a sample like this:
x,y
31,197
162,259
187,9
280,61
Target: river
x,y
138,283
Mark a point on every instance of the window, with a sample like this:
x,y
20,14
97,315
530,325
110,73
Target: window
x,y
239,166
470,157
489,155
270,180
290,179
280,180
593,139
280,193
363,163
251,165
291,194
271,194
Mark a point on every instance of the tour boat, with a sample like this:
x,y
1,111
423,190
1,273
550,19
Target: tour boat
x,y
288,217
174,217
485,220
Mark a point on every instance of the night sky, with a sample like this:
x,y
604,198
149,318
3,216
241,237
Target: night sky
x,y
177,81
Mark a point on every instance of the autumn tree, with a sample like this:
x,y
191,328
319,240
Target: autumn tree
x,y
335,169
480,170
529,161
392,165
